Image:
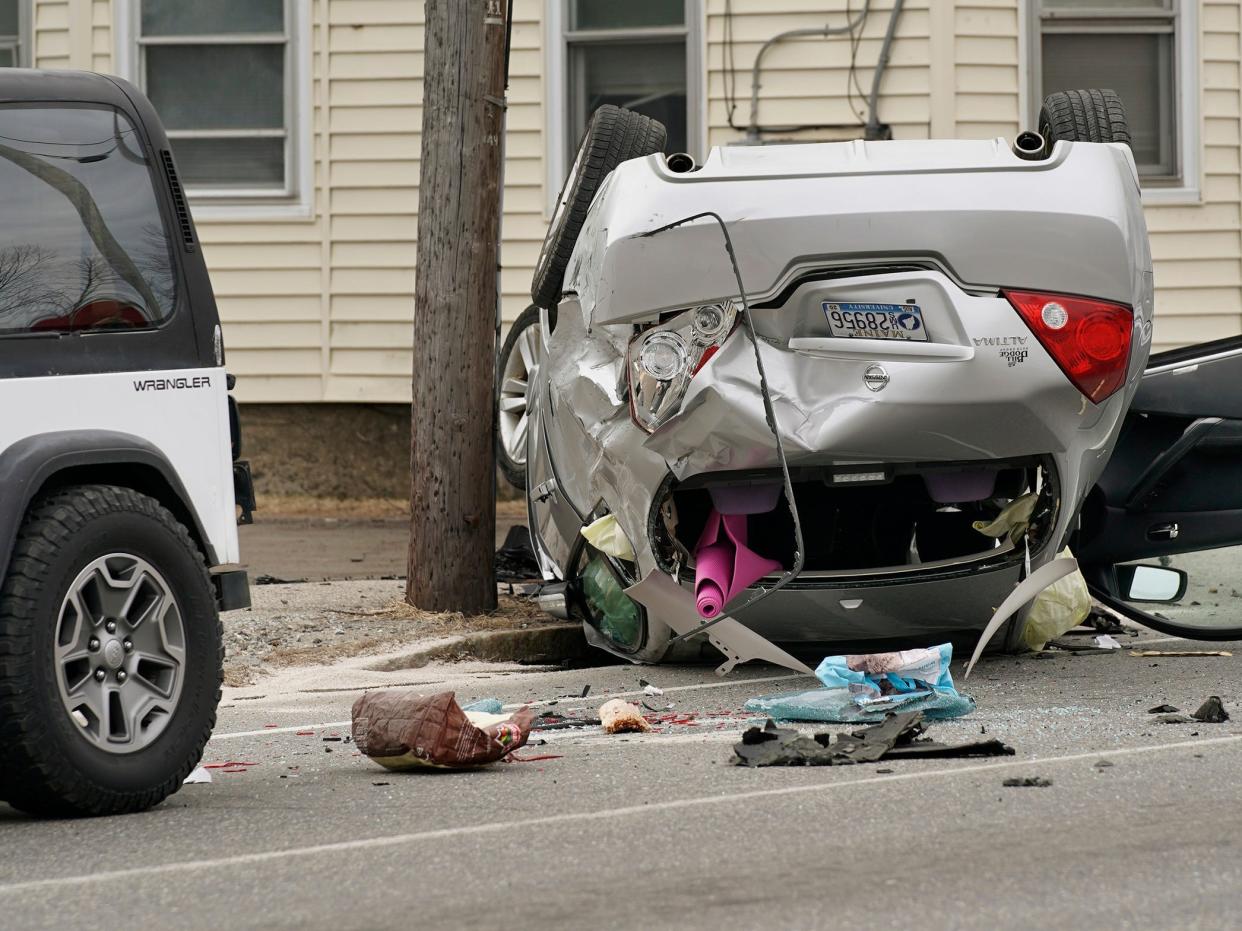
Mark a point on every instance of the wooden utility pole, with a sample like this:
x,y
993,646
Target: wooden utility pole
x,y
452,458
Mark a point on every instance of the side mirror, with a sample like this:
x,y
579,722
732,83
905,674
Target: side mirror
x,y
1151,583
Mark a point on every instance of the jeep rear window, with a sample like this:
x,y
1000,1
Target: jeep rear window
x,y
82,241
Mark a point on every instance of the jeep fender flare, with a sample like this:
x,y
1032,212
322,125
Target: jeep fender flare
x,y
27,465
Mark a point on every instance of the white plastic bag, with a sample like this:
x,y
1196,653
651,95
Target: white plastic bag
x,y
1062,605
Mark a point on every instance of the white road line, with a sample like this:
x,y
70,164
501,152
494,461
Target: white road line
x,y
280,730
504,827
698,686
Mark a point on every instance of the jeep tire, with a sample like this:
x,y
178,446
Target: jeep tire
x,y
614,135
107,603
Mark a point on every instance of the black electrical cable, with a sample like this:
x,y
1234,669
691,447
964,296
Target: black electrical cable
x,y
851,79
729,66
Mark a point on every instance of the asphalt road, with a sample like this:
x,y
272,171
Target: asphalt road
x,y
660,831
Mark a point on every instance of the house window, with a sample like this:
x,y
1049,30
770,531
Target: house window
x,y
640,54
14,49
1134,47
222,77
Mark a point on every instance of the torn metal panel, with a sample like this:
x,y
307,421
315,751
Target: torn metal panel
x,y
674,605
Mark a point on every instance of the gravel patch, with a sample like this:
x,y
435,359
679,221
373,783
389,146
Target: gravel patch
x,y
314,623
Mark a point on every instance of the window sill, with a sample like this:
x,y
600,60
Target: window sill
x,y
214,211
1172,196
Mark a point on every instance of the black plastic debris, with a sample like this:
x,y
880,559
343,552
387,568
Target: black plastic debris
x,y
551,721
1212,711
515,560
1175,719
897,736
1038,782
1164,709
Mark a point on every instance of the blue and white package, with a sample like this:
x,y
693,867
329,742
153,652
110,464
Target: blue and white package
x,y
866,687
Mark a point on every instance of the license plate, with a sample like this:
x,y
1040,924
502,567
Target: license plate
x,y
876,321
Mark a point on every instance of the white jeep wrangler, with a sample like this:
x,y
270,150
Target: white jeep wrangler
x,y
119,479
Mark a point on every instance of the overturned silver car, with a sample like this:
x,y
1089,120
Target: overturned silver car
x,y
824,397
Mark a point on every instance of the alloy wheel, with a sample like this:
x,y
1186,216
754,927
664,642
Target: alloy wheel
x,y
120,653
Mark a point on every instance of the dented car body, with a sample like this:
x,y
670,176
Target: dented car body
x,y
949,333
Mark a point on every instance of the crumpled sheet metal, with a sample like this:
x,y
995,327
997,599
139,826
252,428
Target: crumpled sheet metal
x,y
610,463
822,405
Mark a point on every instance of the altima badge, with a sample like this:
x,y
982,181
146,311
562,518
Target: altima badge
x,y
875,377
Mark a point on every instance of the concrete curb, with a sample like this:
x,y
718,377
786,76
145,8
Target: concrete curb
x,y
546,645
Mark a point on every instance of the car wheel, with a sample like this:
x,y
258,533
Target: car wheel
x,y
110,655
519,361
613,136
1084,116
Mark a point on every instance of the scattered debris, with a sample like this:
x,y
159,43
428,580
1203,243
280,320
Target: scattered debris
x,y
551,721
1175,719
1212,711
200,775
1036,781
374,783
486,705
1077,649
865,687
515,560
619,717
405,730
895,738
1104,764
1164,709
1107,642
539,758
651,690
1180,653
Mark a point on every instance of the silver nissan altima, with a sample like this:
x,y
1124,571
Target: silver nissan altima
x,y
809,398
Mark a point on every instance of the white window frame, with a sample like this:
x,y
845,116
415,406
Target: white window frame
x,y
556,88
1188,186
21,43
294,199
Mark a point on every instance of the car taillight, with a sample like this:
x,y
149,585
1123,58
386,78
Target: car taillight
x,y
1088,339
663,360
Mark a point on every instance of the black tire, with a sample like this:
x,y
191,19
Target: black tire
x,y
613,136
48,766
512,464
1084,116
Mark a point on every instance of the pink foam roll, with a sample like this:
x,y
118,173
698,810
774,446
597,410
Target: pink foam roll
x,y
724,565
712,574
709,599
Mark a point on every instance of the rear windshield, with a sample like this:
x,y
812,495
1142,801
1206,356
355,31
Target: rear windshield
x,y
82,243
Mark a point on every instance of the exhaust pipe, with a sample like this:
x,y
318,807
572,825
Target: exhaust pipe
x,y
553,599
680,163
1031,146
